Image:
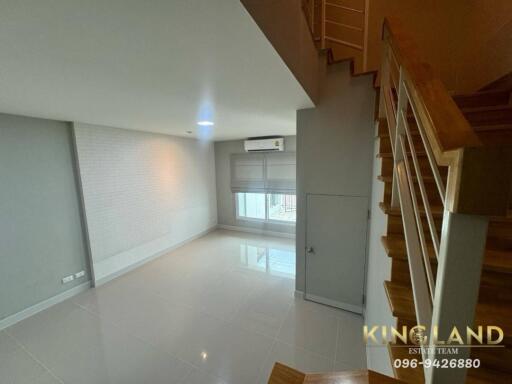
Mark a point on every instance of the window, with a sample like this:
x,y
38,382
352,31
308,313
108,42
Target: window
x,y
282,207
266,206
251,205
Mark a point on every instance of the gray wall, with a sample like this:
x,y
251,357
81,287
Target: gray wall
x,y
225,198
379,269
41,236
144,193
334,146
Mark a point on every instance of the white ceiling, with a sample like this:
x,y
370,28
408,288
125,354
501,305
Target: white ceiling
x,y
147,65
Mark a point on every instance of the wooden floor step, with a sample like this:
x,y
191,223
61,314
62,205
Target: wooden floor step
x,y
386,134
389,155
409,375
498,128
282,374
487,376
489,116
401,302
389,179
482,99
350,377
437,211
497,137
487,109
495,260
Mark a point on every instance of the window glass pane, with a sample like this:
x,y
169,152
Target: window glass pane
x,y
251,205
240,203
282,207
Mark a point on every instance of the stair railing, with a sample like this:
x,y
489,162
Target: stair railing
x,y
477,187
322,13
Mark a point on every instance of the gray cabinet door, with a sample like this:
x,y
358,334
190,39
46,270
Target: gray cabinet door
x,y
336,250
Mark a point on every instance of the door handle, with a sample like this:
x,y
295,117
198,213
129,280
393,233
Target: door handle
x,y
310,250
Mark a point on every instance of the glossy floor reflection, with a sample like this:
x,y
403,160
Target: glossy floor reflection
x,y
219,310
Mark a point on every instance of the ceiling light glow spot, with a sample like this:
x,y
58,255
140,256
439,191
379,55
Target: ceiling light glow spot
x,y
205,123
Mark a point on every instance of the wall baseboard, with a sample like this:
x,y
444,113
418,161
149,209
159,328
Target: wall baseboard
x,y
112,275
256,231
36,308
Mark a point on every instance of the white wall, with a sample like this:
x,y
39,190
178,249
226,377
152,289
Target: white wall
x,y
225,198
334,147
144,193
41,232
379,269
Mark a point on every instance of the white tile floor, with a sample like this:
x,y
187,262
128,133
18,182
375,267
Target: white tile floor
x,y
219,310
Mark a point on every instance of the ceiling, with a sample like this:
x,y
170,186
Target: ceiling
x,y
156,66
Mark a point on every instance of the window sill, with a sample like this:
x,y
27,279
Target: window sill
x,y
263,221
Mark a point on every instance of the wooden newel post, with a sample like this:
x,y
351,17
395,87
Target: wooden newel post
x,y
478,188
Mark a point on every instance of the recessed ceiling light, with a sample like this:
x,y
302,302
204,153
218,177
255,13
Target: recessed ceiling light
x,y
189,132
205,123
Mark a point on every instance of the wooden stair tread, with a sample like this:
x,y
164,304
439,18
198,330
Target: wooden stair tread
x,y
486,108
386,135
389,179
437,211
389,155
485,376
282,374
479,99
400,301
349,377
409,375
482,128
495,260
402,306
488,115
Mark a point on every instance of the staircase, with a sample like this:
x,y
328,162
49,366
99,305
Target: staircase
x,y
446,167
446,162
340,26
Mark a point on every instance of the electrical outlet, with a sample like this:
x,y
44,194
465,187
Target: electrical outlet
x,y
79,274
67,279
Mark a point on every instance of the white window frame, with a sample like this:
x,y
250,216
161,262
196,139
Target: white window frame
x,y
266,219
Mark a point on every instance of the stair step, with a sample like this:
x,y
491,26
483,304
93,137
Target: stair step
x,y
486,376
495,260
401,302
389,179
282,374
389,155
489,116
491,109
409,375
498,137
482,99
437,211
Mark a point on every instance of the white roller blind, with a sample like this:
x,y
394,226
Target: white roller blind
x,y
263,172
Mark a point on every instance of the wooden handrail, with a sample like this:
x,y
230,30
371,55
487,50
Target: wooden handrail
x,y
449,128
480,176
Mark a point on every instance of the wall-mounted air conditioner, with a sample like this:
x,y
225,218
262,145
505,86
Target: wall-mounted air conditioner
x,y
264,144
